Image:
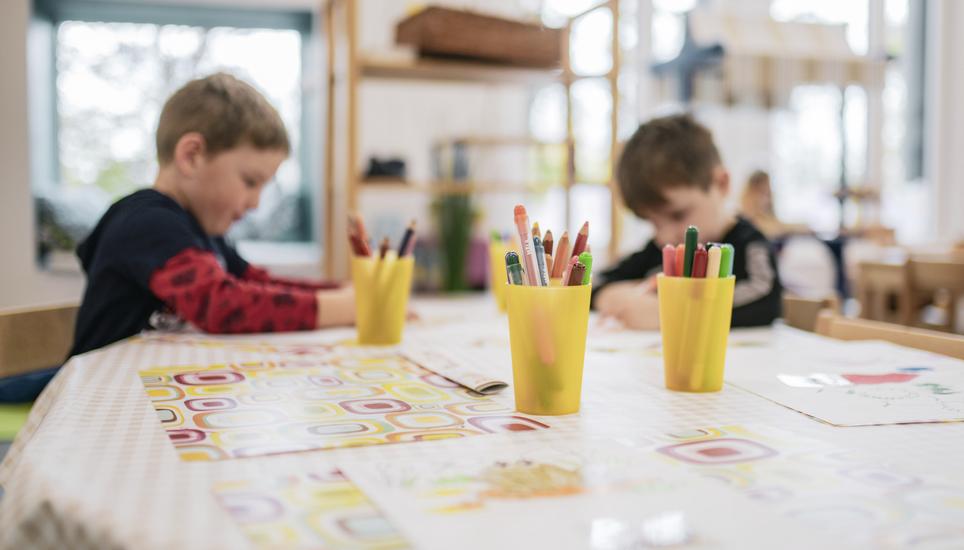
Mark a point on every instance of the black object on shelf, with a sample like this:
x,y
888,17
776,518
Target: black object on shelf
x,y
393,168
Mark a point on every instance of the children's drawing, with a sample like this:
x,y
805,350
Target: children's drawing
x,y
307,510
854,499
902,387
579,494
232,410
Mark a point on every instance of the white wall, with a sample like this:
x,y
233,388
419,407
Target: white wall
x,y
21,283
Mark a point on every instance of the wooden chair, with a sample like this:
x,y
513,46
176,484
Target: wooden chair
x,y
842,328
802,313
939,282
34,339
883,290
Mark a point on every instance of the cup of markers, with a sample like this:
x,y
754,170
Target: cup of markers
x,y
695,308
383,282
547,300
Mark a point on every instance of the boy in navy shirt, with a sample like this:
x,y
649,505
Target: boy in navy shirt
x,y
158,255
670,174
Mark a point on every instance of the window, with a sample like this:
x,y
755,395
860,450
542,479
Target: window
x,y
113,70
591,56
821,130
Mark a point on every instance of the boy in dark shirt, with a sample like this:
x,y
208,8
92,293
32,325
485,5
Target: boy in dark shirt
x,y
158,255
670,174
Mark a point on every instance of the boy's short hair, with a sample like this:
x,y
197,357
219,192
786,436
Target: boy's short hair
x,y
672,151
758,178
226,111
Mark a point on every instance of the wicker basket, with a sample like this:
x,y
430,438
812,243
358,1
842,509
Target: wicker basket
x,y
444,32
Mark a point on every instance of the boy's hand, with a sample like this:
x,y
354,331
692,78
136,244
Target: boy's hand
x,y
641,313
614,295
633,303
336,307
609,298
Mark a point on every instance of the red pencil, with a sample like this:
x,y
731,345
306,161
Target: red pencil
x,y
581,239
547,242
358,246
357,236
699,262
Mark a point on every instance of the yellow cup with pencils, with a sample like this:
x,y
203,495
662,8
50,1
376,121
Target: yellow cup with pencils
x,y
497,250
694,320
382,288
547,334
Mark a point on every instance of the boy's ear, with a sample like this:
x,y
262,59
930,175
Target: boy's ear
x,y
189,152
721,180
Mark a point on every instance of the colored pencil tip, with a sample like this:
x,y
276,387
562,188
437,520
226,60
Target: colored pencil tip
x,y
520,210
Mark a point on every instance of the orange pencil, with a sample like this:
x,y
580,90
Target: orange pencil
x,y
562,256
680,257
549,265
581,239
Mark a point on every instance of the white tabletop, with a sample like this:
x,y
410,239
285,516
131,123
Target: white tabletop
x,y
94,468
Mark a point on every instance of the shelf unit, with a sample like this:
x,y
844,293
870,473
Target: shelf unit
x,y
342,172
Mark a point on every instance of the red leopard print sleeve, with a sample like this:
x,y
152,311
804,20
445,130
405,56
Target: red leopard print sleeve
x,y
197,288
261,275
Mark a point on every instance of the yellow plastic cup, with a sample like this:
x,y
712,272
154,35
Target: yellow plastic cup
x,y
694,320
382,287
547,334
497,277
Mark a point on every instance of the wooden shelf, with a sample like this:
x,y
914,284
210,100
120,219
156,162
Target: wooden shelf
x,y
449,187
347,70
457,71
499,141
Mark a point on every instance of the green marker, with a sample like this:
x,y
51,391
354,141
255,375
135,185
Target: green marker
x,y
513,269
586,259
726,260
692,234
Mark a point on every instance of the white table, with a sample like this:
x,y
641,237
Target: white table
x,y
93,467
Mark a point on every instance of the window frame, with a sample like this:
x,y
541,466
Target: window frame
x,y
47,15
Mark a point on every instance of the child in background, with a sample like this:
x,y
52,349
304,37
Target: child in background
x,y
756,205
670,174
159,255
